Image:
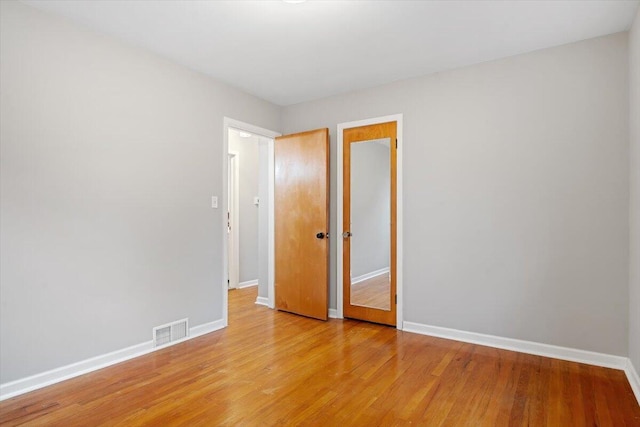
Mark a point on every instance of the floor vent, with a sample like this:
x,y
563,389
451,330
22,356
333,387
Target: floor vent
x,y
170,332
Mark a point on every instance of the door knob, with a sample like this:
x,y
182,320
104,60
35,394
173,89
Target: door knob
x,y
320,235
346,234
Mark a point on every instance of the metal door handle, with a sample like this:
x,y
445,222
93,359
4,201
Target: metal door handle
x,y
346,234
321,235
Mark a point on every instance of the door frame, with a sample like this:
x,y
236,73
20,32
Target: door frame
x,y
233,158
340,212
269,134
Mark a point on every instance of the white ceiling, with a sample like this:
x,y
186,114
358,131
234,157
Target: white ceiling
x,y
290,53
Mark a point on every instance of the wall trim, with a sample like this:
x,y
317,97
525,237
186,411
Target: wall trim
x,y
530,347
233,240
205,328
262,301
333,313
248,284
369,275
53,376
634,379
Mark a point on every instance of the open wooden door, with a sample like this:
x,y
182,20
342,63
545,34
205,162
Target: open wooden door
x,y
302,223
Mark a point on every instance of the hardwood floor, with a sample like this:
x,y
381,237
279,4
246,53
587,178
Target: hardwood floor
x,y
275,368
373,292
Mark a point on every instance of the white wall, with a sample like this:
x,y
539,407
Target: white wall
x,y
109,158
248,167
370,208
516,193
634,211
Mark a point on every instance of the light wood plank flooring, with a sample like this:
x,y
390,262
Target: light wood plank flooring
x,y
275,368
373,292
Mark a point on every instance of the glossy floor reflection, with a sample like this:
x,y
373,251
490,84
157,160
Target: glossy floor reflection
x,y
274,368
373,292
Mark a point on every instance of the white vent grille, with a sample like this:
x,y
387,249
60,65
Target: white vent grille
x,y
175,331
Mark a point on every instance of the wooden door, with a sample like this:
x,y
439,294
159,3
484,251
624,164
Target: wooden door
x,y
386,312
302,223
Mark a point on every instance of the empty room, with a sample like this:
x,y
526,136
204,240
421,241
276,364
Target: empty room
x,y
316,212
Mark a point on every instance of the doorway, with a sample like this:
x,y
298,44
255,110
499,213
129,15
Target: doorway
x,y
263,202
369,244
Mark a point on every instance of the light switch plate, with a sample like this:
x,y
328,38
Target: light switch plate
x,y
214,202
256,201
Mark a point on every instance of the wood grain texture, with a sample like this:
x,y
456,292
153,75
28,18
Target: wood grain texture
x,y
354,136
274,368
372,292
302,211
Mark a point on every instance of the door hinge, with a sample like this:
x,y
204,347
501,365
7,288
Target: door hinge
x,y
396,143
396,299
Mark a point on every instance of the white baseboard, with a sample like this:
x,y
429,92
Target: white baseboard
x,y
369,275
262,301
248,284
634,380
34,382
539,349
205,328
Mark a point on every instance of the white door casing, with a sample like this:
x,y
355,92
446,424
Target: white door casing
x,y
233,220
269,134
